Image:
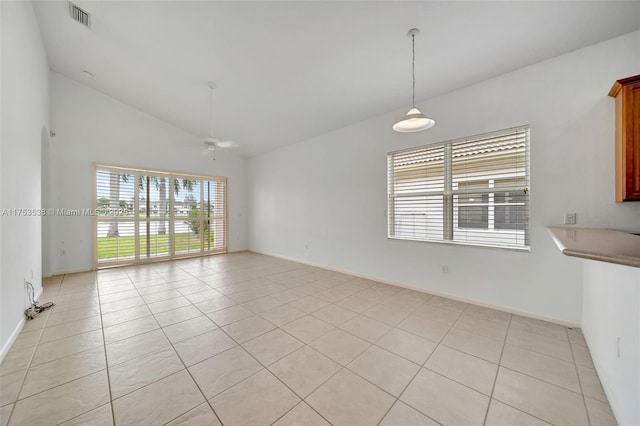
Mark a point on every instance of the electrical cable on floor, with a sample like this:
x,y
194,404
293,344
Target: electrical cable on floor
x,y
33,310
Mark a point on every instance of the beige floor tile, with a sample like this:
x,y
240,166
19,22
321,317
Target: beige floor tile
x,y
391,314
307,328
262,304
229,315
121,305
28,340
340,346
347,399
177,315
540,399
301,415
159,296
259,400
160,402
334,314
45,376
492,330
309,304
196,297
216,374
61,331
113,297
5,412
582,356
501,414
189,328
138,372
57,318
355,304
69,345
10,387
467,369
539,343
332,295
272,346
168,305
15,360
366,328
576,337
393,378
543,328
203,346
287,296
488,314
114,318
590,383
37,323
202,415
473,344
434,313
100,416
64,402
600,413
401,414
129,329
444,400
133,347
248,328
422,327
444,303
282,315
542,367
304,370
408,345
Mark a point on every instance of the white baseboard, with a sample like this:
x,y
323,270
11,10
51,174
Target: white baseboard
x,y
574,324
16,331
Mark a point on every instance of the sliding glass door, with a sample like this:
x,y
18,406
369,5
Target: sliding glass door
x,y
144,215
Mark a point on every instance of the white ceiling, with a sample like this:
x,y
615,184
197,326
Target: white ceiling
x,y
290,70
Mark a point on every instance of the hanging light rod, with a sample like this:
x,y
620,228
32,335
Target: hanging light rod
x,y
414,120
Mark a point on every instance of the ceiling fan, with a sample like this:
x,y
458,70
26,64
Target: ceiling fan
x,y
210,142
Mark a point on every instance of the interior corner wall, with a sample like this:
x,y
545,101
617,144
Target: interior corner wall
x,y
93,127
323,201
24,118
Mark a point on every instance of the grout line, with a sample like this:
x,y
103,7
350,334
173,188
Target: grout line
x,y
495,379
106,358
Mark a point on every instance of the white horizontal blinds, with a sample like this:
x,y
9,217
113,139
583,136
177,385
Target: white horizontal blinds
x,y
472,191
416,194
115,219
153,216
147,215
490,189
214,212
187,222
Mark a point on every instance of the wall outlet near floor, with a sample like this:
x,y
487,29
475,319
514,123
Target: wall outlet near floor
x,y
570,219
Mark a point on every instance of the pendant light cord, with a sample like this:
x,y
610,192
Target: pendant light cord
x,y
413,69
210,111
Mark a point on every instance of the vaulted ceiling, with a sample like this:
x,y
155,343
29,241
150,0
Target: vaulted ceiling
x,y
289,70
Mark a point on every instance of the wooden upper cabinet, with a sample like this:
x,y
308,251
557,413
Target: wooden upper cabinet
x,y
627,94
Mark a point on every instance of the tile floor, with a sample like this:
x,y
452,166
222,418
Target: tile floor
x,y
248,339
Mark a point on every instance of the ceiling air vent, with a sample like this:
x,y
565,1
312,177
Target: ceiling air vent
x,y
79,15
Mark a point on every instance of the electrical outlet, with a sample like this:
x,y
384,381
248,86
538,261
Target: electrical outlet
x,y
445,269
570,219
63,252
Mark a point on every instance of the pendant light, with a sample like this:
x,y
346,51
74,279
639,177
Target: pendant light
x,y
414,121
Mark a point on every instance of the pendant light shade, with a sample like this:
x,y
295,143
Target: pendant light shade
x,y
414,121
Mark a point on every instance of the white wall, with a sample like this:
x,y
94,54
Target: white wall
x,y
25,91
330,192
92,127
611,311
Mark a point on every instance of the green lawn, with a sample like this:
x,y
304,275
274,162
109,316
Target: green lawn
x,y
109,247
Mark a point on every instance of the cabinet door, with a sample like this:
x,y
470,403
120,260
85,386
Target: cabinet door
x,y
631,139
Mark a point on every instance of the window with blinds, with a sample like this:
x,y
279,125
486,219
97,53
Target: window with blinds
x,y
470,191
144,215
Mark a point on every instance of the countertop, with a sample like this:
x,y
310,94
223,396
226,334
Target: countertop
x,y
605,245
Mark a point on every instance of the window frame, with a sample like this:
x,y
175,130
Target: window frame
x,y
450,192
139,221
